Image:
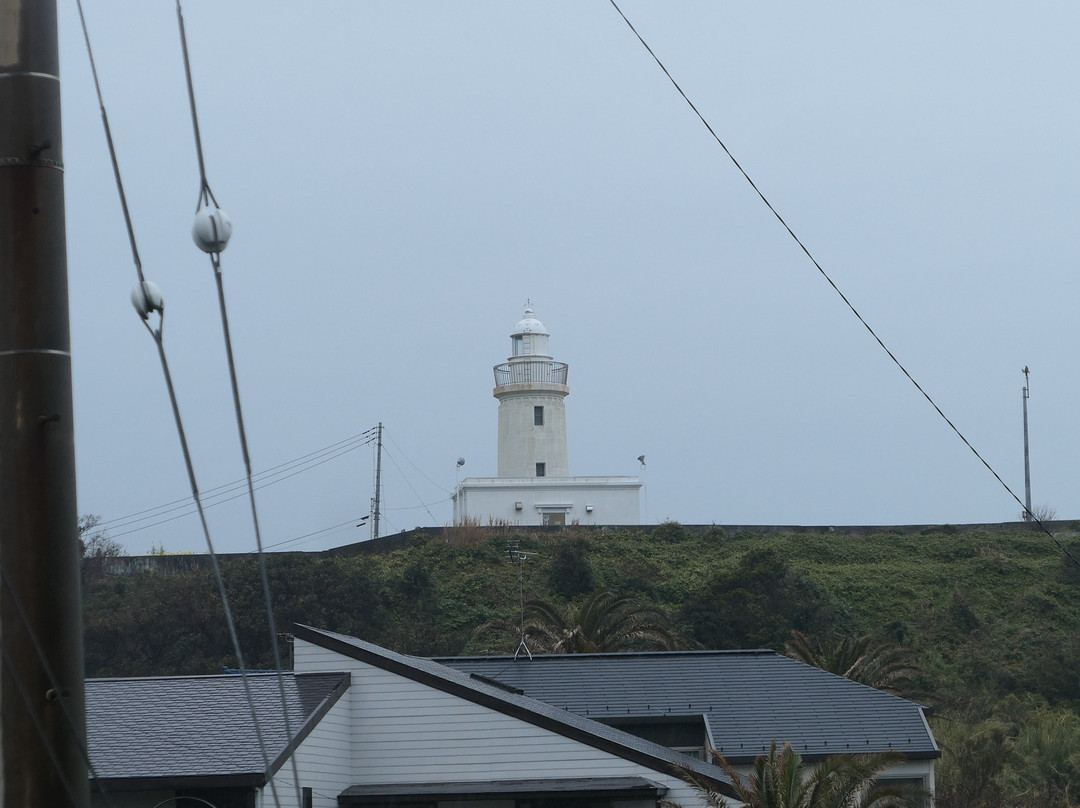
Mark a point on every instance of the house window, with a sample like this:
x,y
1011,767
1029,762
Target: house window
x,y
538,416
541,469
555,519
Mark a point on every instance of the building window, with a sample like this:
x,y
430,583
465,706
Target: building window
x,y
540,469
538,416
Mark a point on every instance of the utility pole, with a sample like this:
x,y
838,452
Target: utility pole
x,y
378,483
1027,457
42,698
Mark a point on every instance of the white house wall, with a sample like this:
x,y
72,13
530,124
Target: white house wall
x,y
407,732
323,759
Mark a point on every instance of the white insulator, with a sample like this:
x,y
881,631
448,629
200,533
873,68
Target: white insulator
x,y
212,230
146,297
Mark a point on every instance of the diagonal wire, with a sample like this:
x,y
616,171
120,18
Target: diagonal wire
x,y
411,463
42,735
158,340
424,505
341,446
54,683
836,288
206,196
409,483
112,147
332,528
220,497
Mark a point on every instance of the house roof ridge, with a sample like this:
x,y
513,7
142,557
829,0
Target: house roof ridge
x,y
616,655
189,676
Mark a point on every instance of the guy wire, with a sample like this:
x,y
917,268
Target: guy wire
x,y
112,147
836,288
206,196
158,339
54,683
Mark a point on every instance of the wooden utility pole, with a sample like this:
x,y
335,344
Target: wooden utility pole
x,y
378,484
42,701
1028,515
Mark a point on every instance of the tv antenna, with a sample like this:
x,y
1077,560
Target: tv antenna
x,y
519,556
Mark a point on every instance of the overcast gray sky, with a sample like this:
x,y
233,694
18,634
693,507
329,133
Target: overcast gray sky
x,y
403,176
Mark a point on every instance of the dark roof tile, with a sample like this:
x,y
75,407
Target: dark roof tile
x,y
200,726
750,698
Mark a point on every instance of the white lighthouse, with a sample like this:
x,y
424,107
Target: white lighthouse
x,y
534,486
531,388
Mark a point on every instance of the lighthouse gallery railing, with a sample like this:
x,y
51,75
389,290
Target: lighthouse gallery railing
x,y
534,370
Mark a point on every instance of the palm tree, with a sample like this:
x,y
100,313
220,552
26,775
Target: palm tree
x,y
883,665
602,622
781,779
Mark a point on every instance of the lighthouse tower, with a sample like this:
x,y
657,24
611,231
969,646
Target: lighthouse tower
x,y
534,486
531,388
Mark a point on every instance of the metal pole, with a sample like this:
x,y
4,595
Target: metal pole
x,y
42,701
378,482
1027,456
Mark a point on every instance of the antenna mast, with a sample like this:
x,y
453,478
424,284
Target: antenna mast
x,y
378,483
520,556
42,698
1028,516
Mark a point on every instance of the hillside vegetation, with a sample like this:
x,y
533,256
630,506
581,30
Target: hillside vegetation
x,y
992,618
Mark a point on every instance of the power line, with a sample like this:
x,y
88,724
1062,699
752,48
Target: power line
x,y
832,284
239,483
219,232
148,300
220,498
419,470
295,539
73,725
408,483
421,505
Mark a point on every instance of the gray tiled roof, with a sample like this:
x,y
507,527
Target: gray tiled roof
x,y
200,726
539,712
749,698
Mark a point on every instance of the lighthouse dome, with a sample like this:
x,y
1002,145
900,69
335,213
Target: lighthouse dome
x,y
529,325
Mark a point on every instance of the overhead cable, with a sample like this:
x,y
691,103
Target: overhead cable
x,y
825,275
148,300
211,232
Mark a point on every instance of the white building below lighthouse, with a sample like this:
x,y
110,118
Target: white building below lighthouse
x,y
534,486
